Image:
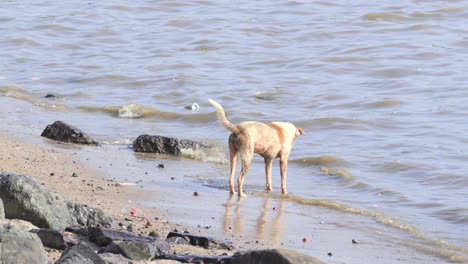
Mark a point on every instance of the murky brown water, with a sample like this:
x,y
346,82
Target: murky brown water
x,y
380,89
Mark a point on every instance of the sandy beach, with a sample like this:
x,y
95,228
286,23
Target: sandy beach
x,y
71,178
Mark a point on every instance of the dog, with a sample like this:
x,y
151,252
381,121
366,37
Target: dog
x,y
271,141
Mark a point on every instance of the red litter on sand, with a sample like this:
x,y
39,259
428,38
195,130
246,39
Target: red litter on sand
x,y
135,212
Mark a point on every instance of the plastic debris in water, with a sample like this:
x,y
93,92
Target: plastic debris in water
x,y
193,107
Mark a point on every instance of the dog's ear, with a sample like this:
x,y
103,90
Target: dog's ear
x,y
299,132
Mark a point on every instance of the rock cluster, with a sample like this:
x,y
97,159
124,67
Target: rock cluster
x,y
63,132
86,235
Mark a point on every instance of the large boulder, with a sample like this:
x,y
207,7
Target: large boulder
x,y
2,211
13,244
165,145
64,132
277,256
28,200
80,254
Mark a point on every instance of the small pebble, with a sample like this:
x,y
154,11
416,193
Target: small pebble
x,y
148,223
195,194
355,241
161,166
330,254
74,175
304,240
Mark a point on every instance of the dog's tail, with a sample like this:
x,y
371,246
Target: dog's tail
x,y
222,117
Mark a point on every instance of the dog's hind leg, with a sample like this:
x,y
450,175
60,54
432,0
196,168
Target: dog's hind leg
x,y
246,157
233,153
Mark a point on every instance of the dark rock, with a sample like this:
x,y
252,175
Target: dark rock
x,y
80,254
355,241
164,145
64,132
13,244
77,229
199,259
2,210
201,241
53,239
50,96
277,256
28,200
103,236
138,250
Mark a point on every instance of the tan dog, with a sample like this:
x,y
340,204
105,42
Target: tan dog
x,y
271,141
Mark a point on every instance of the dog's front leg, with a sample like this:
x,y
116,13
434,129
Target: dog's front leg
x,y
268,163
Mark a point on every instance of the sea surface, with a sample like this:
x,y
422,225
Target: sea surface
x,y
380,88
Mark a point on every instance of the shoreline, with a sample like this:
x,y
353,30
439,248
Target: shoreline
x,y
85,175
73,179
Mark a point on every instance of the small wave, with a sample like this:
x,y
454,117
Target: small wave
x,y
118,142
321,161
23,95
398,166
269,96
384,17
131,111
384,104
341,173
214,155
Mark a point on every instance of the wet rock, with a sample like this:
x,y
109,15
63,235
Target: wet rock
x,y
79,254
138,250
199,259
165,145
2,210
201,241
104,236
26,199
13,244
64,132
53,239
277,256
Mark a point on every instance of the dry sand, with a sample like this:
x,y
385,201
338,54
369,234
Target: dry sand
x,y
68,176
